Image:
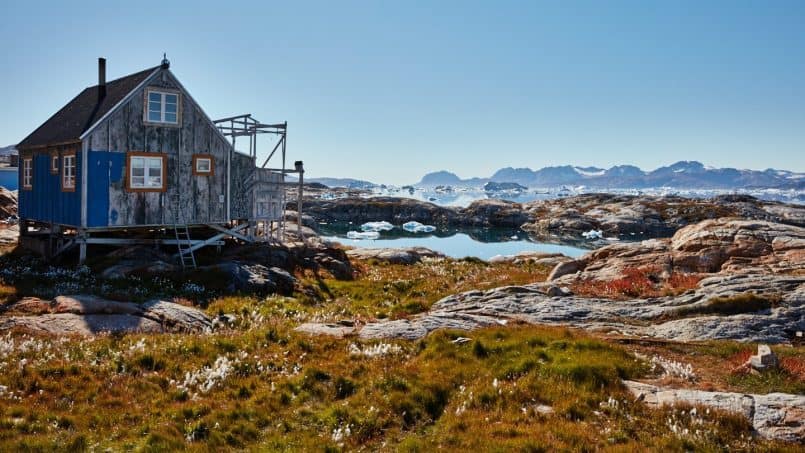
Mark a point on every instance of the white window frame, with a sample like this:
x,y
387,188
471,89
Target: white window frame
x,y
68,172
206,171
148,163
54,163
28,173
163,95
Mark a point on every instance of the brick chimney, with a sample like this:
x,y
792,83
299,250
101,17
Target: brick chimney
x,y
101,78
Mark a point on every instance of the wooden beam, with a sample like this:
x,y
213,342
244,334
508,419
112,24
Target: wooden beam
x,y
213,239
230,232
124,241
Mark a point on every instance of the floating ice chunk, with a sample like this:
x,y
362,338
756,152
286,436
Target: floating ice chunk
x,y
377,226
416,227
358,235
593,234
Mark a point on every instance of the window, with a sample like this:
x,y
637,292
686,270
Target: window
x,y
146,172
162,107
54,163
28,173
203,164
68,173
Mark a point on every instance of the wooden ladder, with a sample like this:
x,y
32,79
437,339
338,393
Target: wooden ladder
x,y
186,256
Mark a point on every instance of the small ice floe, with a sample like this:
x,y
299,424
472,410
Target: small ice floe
x,y
593,234
416,227
514,238
376,226
359,235
612,239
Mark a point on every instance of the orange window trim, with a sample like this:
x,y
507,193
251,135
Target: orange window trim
x,y
164,157
196,157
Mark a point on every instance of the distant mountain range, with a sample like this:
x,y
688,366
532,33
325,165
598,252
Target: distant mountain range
x,y
348,183
683,174
8,150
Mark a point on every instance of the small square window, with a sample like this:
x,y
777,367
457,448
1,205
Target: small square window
x,y
203,164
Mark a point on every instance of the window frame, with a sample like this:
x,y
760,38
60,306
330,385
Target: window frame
x,y
163,92
197,158
54,159
28,169
134,154
69,155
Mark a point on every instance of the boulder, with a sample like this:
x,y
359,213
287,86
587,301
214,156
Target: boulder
x,y
254,278
764,359
409,255
9,234
138,259
87,315
8,203
532,257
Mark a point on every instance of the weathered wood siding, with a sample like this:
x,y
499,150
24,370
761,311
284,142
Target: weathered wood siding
x,y
242,168
199,195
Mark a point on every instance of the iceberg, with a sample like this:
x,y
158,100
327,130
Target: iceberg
x,y
416,227
377,226
359,235
593,234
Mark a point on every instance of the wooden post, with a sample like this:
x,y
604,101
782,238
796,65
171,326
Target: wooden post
x,y
299,168
82,247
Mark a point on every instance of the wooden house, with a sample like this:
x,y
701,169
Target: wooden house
x,y
139,153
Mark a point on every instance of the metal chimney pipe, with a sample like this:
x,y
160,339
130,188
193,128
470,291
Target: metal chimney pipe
x,y
101,78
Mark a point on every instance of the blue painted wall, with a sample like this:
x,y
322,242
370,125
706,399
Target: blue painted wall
x,y
98,189
46,202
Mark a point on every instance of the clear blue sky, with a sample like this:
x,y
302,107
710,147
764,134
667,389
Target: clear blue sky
x,y
387,91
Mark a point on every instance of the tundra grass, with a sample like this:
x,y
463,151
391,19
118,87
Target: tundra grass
x,y
259,386
383,290
262,387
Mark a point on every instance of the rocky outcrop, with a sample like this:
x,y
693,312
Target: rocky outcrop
x,y
532,257
627,216
621,216
9,234
87,315
8,203
395,210
493,213
134,260
712,246
681,318
776,415
408,255
254,278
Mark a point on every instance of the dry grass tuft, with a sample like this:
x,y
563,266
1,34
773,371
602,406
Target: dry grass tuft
x,y
638,283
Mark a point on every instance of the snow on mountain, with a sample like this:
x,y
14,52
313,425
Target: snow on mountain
x,y
590,171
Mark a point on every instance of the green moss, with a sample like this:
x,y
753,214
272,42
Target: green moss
x,y
732,305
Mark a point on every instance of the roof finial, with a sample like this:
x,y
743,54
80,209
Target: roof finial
x,y
165,63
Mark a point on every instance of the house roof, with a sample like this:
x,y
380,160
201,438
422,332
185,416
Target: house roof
x,y
83,111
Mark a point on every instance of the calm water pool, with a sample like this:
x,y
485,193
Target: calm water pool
x,y
460,245
8,178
